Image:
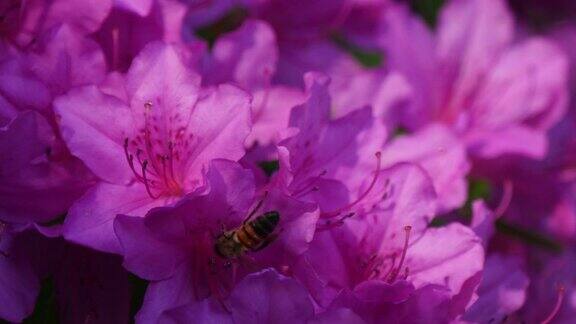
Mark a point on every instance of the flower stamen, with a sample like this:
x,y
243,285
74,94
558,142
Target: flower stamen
x,y
146,182
396,271
364,194
556,309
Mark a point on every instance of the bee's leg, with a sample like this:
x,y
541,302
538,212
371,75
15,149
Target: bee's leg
x,y
255,208
223,231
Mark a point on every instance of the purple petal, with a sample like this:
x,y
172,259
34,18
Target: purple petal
x,y
140,7
502,291
472,34
90,220
35,187
267,297
247,56
178,290
445,256
158,75
220,123
144,253
441,154
67,59
94,126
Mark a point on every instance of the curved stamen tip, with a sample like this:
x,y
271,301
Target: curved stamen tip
x,y
561,290
407,228
365,193
508,192
148,104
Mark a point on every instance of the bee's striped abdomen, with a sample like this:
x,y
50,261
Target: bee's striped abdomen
x,y
254,232
251,236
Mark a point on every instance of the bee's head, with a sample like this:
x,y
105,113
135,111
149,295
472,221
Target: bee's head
x,y
273,217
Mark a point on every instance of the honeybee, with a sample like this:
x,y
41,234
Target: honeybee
x,y
252,235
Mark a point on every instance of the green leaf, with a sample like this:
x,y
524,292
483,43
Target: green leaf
x,y
368,58
229,22
269,167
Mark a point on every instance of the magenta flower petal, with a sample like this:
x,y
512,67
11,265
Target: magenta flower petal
x,y
482,221
90,220
271,113
28,20
409,47
19,90
96,137
457,256
141,7
159,75
472,33
178,290
66,59
33,188
248,56
220,132
268,297
519,139
501,292
125,33
441,154
145,254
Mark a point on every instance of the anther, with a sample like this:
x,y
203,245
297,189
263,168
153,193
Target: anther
x,y
329,224
148,105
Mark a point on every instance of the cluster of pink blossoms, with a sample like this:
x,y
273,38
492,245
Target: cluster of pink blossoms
x,y
286,161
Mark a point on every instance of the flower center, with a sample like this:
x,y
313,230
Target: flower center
x,y
155,156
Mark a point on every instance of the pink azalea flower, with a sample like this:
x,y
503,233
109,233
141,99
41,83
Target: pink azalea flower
x,y
38,176
386,255
153,147
494,92
319,155
350,161
175,246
